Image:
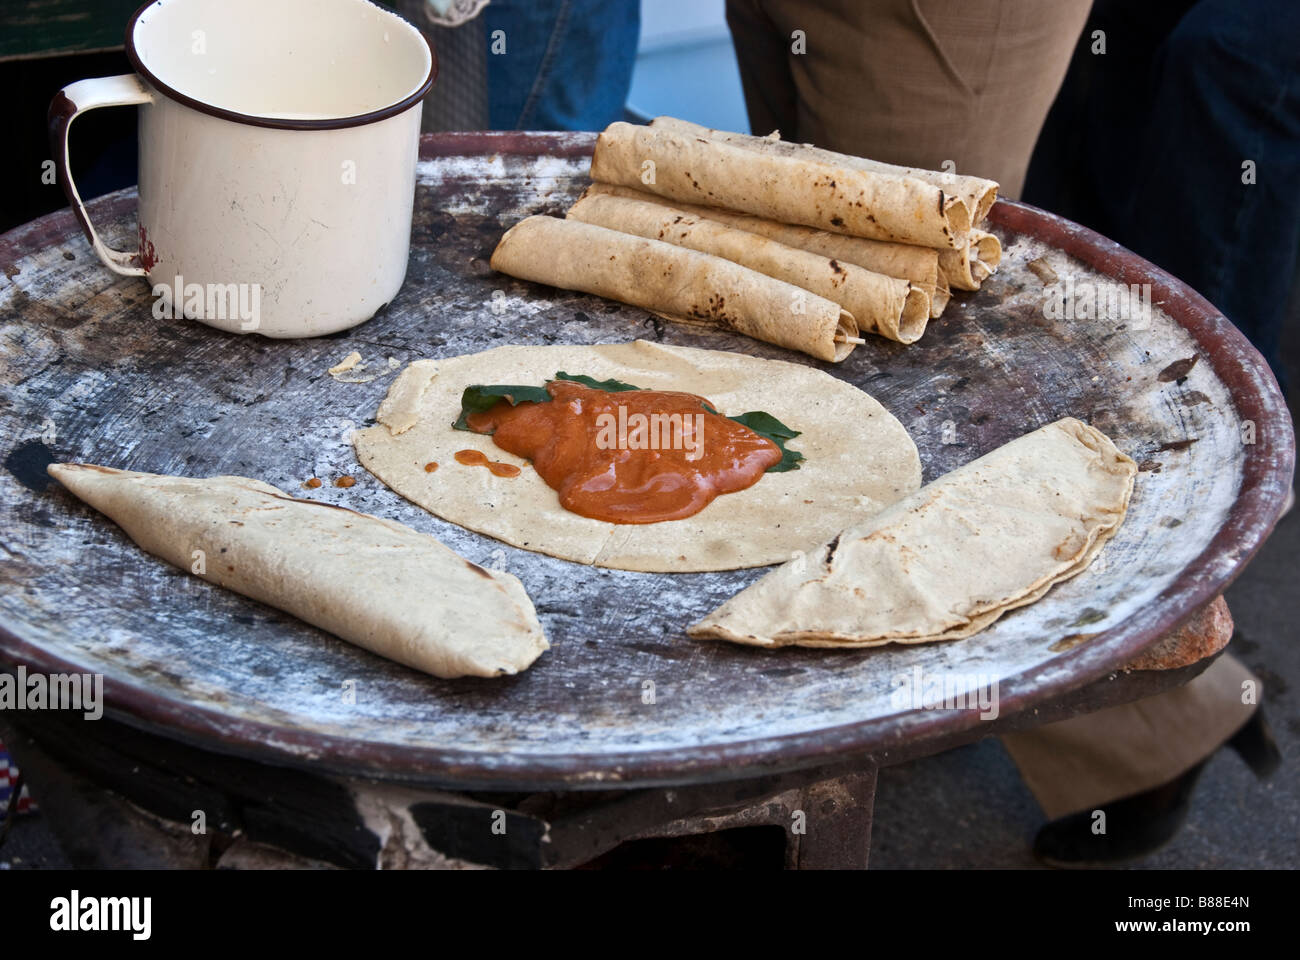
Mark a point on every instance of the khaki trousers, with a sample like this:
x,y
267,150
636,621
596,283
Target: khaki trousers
x,y
913,82
1089,761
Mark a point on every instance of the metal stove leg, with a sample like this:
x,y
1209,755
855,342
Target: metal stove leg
x,y
836,824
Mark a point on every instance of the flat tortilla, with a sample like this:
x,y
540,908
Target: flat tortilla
x,y
369,581
948,560
859,458
676,283
886,306
802,189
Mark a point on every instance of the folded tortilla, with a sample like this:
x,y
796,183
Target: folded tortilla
x,y
372,582
803,189
976,193
967,268
950,559
919,265
675,282
887,306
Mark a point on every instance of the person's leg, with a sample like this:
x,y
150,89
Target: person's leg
x,y
763,54
1101,112
919,82
459,99
1116,784
560,64
1213,189
1094,759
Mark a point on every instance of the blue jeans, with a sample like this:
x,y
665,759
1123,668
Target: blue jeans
x,y
1149,142
566,65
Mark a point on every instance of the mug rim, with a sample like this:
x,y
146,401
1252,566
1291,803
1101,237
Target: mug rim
x,y
279,123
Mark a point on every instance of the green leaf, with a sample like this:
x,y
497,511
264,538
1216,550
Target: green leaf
x,y
609,386
766,425
479,399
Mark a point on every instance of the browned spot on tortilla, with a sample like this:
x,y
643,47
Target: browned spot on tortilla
x,y
1176,370
835,266
1067,548
477,569
837,221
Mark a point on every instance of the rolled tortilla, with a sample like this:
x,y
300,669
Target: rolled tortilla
x,y
372,582
676,283
942,294
977,193
882,305
805,190
920,265
948,560
966,269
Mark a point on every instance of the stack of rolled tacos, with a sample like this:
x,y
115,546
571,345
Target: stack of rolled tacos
x,y
784,242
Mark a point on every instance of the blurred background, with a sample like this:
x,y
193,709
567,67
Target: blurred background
x,y
685,66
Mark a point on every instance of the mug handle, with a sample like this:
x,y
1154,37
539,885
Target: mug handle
x,y
68,103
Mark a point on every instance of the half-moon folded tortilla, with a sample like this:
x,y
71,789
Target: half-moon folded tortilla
x,y
950,559
887,306
977,193
675,282
858,458
792,189
967,268
372,582
920,265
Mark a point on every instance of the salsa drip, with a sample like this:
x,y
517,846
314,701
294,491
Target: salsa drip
x,y
634,456
476,458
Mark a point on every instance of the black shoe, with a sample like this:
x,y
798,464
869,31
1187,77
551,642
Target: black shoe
x,y
1254,743
1145,822
1135,826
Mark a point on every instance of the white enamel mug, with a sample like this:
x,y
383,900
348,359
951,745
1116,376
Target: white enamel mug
x,y
278,144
